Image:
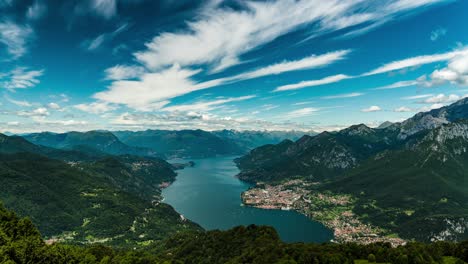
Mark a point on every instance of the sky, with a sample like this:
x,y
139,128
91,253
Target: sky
x,y
79,65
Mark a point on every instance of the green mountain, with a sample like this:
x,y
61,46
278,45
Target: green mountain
x,y
428,178
88,142
325,155
110,199
410,178
20,242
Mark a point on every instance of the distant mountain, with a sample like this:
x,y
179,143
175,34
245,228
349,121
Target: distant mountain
x,y
252,139
107,199
200,144
409,177
182,143
88,142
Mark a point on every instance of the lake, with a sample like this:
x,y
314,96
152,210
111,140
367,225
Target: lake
x,y
209,195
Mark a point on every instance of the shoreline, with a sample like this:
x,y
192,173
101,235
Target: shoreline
x,y
332,210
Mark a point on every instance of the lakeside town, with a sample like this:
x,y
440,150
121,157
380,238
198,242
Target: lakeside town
x,y
333,210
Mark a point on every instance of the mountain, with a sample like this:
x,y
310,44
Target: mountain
x,y
409,178
88,142
109,199
329,154
315,157
182,143
432,119
16,144
428,178
252,139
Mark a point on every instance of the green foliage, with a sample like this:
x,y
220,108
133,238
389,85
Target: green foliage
x,y
108,200
20,242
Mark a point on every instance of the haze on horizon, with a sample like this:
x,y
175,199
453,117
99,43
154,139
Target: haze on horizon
x,y
245,65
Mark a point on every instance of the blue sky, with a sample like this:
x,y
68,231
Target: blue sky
x,y
276,65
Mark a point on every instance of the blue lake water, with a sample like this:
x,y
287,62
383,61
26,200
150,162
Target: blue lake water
x,y
209,195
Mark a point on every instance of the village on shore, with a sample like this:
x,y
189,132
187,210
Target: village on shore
x,y
333,210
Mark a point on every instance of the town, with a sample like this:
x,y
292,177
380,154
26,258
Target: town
x,y
333,210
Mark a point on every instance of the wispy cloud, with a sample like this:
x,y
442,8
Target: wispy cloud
x,y
22,103
21,78
416,61
221,35
94,44
439,32
307,111
397,85
205,105
414,97
348,95
175,81
15,37
312,83
442,99
36,11
96,107
124,72
38,112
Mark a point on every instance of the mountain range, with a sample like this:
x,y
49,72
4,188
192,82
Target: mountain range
x,y
162,143
414,173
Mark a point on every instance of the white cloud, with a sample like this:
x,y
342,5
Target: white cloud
x,y
22,103
94,44
124,72
15,37
373,108
403,109
421,96
311,62
205,106
104,8
151,90
95,107
221,35
21,78
439,32
194,120
397,85
36,11
218,36
455,73
349,95
53,106
302,112
304,84
416,61
38,112
442,99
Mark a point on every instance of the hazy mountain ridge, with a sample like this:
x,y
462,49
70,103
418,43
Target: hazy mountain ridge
x,y
200,143
92,141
